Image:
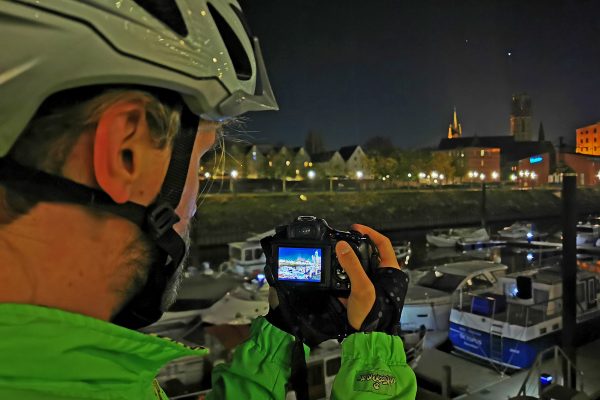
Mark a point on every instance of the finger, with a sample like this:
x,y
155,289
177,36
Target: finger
x,y
351,265
344,301
383,244
362,292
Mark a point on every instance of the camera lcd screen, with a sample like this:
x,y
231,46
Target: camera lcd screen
x,y
300,264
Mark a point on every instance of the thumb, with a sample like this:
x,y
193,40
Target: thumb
x,y
362,291
351,265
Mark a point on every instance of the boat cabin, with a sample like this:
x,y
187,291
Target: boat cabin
x,y
246,253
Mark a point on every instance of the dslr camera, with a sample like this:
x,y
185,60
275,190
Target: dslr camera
x,y
301,256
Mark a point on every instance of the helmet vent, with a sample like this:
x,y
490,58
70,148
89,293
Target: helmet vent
x,y
237,53
167,12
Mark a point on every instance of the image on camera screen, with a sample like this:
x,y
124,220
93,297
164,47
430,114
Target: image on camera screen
x,y
299,264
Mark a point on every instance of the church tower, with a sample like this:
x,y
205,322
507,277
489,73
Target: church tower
x,y
455,129
520,118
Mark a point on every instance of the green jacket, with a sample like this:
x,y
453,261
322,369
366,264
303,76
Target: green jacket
x,y
51,354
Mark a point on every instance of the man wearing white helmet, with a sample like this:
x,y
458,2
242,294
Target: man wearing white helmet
x,y
106,109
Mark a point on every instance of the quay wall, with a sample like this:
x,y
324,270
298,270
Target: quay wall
x,y
225,218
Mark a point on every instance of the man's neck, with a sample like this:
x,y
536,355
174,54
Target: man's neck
x,y
63,256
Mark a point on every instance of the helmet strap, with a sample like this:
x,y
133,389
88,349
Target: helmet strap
x,y
156,220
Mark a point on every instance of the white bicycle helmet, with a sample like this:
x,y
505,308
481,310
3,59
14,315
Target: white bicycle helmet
x,y
201,49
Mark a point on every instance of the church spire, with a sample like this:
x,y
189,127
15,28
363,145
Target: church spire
x,y
455,129
541,133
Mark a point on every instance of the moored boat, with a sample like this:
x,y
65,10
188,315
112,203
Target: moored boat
x,y
450,237
430,296
511,324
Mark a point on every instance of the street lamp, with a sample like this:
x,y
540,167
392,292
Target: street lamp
x,y
234,173
410,175
434,174
207,175
359,174
513,177
495,175
311,174
482,176
287,163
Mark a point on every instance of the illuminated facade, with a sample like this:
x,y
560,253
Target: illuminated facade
x,y
533,171
588,140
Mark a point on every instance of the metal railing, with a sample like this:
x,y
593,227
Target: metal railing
x,y
515,314
558,358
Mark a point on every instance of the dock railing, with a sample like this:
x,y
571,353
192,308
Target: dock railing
x,y
559,359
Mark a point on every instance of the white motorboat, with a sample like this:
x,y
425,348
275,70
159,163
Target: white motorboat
x,y
521,231
239,306
588,235
429,299
521,316
449,237
246,258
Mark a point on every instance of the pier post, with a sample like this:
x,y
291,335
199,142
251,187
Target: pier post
x,y
447,382
483,205
569,272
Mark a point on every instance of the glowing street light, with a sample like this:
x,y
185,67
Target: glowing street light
x,y
434,174
410,175
359,174
287,163
422,175
442,176
533,175
495,175
470,174
311,174
207,175
234,173
482,176
513,177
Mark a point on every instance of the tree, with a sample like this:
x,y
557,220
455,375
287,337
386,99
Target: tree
x,y
379,145
381,166
314,142
442,163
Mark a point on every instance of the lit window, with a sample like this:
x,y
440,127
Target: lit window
x,y
482,153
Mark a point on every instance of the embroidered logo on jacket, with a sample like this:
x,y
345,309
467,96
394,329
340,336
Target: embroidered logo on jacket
x,y
375,381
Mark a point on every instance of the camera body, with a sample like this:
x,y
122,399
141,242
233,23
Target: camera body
x,y
301,256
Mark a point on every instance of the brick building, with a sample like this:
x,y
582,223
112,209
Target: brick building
x,y
588,140
532,171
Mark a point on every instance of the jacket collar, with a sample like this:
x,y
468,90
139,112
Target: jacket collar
x,y
59,350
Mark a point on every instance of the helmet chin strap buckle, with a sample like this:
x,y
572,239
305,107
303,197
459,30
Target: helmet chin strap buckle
x,y
159,219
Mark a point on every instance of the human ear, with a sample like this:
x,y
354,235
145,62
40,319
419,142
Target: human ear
x,y
119,140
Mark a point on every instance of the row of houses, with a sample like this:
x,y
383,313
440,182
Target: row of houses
x,y
254,161
528,163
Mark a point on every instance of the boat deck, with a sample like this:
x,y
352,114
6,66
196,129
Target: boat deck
x,y
474,381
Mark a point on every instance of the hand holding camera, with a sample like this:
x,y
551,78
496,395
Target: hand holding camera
x,y
317,270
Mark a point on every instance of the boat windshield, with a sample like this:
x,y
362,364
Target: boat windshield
x,y
441,281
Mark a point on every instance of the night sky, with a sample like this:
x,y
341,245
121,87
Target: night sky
x,y
356,69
